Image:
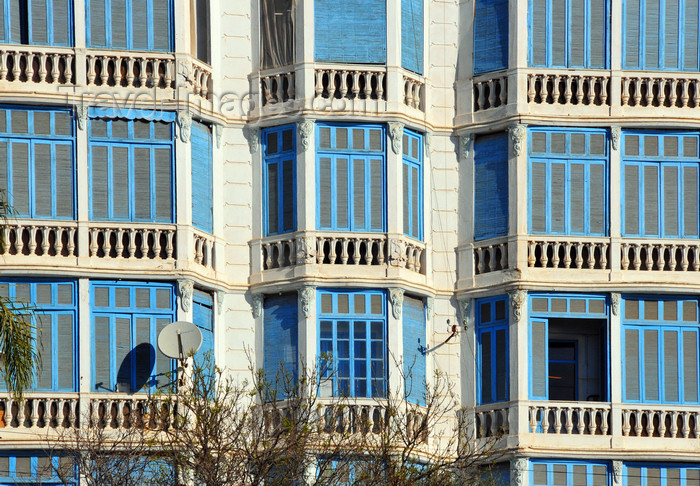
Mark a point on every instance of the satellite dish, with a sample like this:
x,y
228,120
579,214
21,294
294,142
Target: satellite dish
x,y
179,339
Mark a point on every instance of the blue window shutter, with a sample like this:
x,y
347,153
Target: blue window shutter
x,y
97,32
353,31
412,35
66,357
280,337
62,22
491,186
202,184
414,349
690,36
203,318
103,348
491,36
38,22
652,34
538,360
279,174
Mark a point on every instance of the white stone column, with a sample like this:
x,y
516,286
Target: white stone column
x,y
465,211
465,62
394,184
257,301
517,197
308,336
183,190
181,21
255,150
427,205
306,175
615,203
82,191
304,52
468,354
85,350
615,338
517,55
218,200
616,23
519,362
395,341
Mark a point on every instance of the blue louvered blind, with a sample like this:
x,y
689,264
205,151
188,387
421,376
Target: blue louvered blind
x,y
492,339
414,349
202,183
37,162
280,340
126,320
568,182
660,191
352,335
38,22
54,308
660,350
569,473
490,35
412,35
539,381
131,170
279,179
661,35
35,467
139,25
672,473
569,33
350,172
412,184
353,31
491,186
203,318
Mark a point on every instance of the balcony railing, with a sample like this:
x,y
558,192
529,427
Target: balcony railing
x,y
39,238
490,255
564,87
660,255
132,241
661,421
37,65
580,418
568,252
490,91
40,411
491,421
351,82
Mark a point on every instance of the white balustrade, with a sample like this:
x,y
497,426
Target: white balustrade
x,y
414,92
490,91
669,255
204,249
118,412
491,256
279,253
37,64
351,249
53,238
133,242
661,90
579,418
200,79
132,70
277,87
566,253
566,88
670,422
37,411
348,82
491,422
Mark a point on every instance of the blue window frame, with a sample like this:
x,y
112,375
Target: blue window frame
x,y
569,473
279,180
126,318
203,318
37,162
352,343
490,186
649,474
413,184
54,314
131,170
660,184
660,345
569,33
492,341
38,22
660,35
138,25
568,182
414,349
202,177
490,35
412,35
281,341
351,189
33,467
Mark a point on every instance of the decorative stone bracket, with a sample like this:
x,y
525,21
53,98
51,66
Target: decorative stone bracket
x,y
307,295
252,134
517,299
396,297
257,305
306,130
396,134
517,136
184,121
186,289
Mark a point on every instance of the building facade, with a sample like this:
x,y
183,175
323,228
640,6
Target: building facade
x,y
527,169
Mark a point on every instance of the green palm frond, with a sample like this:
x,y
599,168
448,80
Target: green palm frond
x,y
18,346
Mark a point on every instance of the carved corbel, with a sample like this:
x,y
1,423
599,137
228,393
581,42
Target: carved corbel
x,y
396,297
396,134
615,133
220,294
615,303
306,297
257,305
517,136
518,468
429,307
306,250
252,134
465,143
81,113
306,130
465,311
218,132
517,299
397,253
186,289
617,473
428,143
184,121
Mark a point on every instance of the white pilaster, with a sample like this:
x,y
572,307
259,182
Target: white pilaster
x,y
84,347
306,176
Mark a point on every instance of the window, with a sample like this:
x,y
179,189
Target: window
x,y
280,340
54,306
490,35
413,184
414,349
203,318
202,174
37,162
36,468
490,186
660,184
279,179
199,14
353,343
569,33
131,170
568,347
277,33
660,35
660,345
412,35
555,473
353,31
126,320
39,22
350,175
135,25
492,340
568,182
635,474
